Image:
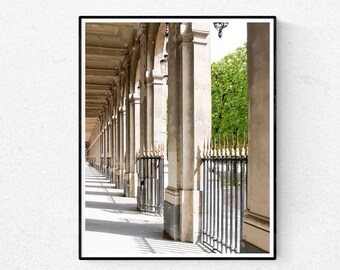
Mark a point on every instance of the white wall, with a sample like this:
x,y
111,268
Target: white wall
x,y
39,125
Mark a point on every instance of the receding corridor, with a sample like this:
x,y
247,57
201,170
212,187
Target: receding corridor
x,y
114,227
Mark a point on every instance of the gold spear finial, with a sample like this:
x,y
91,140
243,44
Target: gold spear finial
x,y
246,144
161,149
232,145
152,151
158,150
219,146
243,151
148,150
227,146
237,145
223,147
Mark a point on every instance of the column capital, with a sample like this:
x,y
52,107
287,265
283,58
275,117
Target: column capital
x,y
142,31
136,46
126,62
200,33
186,33
116,79
122,109
134,98
158,79
148,77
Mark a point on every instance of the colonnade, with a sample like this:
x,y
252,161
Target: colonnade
x,y
128,122
135,114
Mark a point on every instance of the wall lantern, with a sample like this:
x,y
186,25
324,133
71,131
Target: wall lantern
x,y
164,62
219,26
164,66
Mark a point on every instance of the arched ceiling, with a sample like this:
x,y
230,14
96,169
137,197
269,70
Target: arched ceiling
x,y
107,44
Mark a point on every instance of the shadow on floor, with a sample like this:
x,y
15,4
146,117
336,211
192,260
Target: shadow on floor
x,y
103,186
98,182
149,237
115,194
112,206
154,231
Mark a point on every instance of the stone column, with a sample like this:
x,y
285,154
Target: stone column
x,y
105,138
142,59
127,124
256,221
114,148
123,150
159,109
172,198
202,113
134,131
118,135
101,143
149,111
189,87
189,195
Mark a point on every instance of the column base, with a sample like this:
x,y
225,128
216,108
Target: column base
x,y
133,177
249,248
126,184
117,177
172,220
120,178
256,232
113,175
172,213
190,215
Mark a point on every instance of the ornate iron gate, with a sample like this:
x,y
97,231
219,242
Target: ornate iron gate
x,y
224,196
150,190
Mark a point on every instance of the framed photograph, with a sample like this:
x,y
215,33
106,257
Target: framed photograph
x,y
177,137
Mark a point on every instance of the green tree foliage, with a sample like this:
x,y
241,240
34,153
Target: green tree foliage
x,y
229,90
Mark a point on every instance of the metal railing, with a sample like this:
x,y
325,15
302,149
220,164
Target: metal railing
x,y
150,190
224,196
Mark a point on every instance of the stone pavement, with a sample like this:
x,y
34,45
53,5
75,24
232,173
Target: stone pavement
x,y
114,227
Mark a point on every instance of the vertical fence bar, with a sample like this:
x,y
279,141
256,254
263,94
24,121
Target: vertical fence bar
x,y
151,185
218,205
236,203
231,205
155,195
247,191
204,194
214,204
222,207
161,185
227,225
242,198
210,202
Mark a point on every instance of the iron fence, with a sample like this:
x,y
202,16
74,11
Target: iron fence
x,y
150,190
224,196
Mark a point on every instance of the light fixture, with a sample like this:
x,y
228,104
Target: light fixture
x,y
219,26
164,62
164,66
